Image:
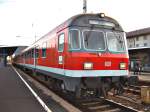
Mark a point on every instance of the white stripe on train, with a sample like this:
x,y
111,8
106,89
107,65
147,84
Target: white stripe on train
x,y
80,73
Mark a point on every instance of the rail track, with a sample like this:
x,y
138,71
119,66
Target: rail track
x,y
144,83
91,105
102,105
134,89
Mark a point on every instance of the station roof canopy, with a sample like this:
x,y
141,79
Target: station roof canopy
x,y
7,50
139,32
139,48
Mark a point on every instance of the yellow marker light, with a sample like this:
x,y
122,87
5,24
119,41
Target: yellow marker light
x,y
122,65
88,66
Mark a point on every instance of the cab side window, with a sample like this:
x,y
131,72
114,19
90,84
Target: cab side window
x,y
61,42
74,40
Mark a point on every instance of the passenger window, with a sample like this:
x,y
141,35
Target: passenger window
x,y
37,52
44,50
32,53
25,55
61,42
28,54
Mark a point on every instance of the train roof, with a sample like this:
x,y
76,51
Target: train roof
x,y
80,20
83,20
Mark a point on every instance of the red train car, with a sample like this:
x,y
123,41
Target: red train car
x,y
88,51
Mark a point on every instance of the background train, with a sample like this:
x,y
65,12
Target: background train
x,y
88,52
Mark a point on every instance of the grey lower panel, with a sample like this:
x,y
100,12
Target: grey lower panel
x,y
69,82
72,83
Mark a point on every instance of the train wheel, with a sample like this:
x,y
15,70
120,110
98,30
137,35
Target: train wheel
x,y
104,93
98,92
104,89
78,92
118,89
51,83
45,78
34,72
57,85
63,87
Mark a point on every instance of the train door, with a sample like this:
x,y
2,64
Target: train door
x,y
61,56
36,55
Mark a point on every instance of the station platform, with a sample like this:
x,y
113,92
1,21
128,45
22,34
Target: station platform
x,y
143,76
14,95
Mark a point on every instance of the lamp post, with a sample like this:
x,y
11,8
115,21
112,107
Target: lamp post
x,y
34,32
35,60
84,6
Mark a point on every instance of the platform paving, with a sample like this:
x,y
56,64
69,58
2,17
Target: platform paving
x,y
14,95
143,76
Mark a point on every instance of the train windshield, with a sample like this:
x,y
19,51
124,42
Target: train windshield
x,y
94,40
115,42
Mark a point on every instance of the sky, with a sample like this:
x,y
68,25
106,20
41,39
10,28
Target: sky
x,y
22,20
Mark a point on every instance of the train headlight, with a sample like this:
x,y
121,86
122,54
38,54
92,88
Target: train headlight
x,y
122,66
88,66
102,15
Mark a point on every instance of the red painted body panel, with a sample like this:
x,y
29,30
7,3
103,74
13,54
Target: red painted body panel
x,y
75,61
72,60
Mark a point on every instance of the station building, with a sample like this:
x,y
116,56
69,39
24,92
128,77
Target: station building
x,y
139,47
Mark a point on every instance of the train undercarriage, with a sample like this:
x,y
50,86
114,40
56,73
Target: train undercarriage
x,y
87,87
84,87
97,86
